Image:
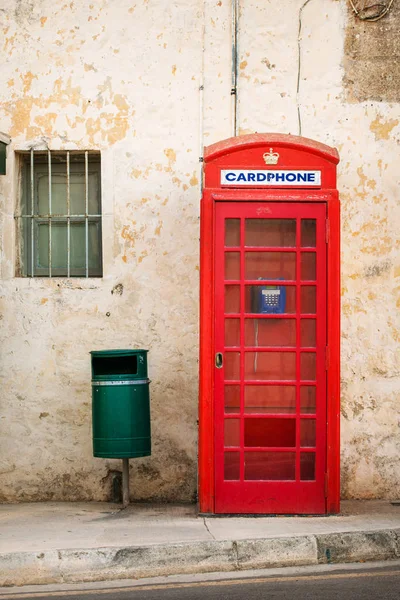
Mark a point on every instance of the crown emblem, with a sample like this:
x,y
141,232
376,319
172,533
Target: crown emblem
x,y
271,158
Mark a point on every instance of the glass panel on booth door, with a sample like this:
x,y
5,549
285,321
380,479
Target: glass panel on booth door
x,y
231,466
270,332
232,366
308,261
232,332
308,333
308,233
270,466
307,399
270,433
232,265
232,232
270,366
307,433
270,265
307,466
232,299
232,399
231,432
308,299
308,366
270,232
269,399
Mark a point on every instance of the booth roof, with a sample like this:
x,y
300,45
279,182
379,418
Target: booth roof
x,y
254,140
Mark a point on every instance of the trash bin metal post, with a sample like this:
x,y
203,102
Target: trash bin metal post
x,y
125,481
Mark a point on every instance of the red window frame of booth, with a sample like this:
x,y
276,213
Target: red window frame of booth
x,y
206,466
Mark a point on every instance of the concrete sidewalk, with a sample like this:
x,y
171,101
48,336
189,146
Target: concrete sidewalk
x,y
76,542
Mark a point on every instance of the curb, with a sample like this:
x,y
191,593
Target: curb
x,y
136,562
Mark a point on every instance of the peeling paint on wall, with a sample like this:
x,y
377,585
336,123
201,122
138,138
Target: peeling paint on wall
x,y
382,129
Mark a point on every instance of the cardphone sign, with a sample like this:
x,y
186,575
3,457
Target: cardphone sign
x,y
271,178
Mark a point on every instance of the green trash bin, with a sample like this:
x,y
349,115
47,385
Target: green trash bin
x,y
120,404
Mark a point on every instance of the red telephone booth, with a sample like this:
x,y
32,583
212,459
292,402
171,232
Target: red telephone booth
x,y
269,327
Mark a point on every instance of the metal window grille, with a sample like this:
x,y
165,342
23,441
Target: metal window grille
x,y
59,216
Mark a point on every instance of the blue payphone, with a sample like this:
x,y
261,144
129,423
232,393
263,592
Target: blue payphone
x,y
268,299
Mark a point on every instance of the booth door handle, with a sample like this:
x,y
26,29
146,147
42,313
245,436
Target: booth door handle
x,y
219,360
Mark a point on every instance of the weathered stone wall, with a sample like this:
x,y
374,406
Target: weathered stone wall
x,y
124,78
372,58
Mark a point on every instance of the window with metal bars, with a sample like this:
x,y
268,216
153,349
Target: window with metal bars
x,y
59,214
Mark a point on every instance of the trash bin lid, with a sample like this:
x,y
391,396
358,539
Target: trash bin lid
x,y
118,365
126,352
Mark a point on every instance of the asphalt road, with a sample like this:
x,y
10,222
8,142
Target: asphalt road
x,y
367,584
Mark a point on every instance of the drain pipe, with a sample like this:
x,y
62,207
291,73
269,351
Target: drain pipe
x,y
201,134
234,87
201,104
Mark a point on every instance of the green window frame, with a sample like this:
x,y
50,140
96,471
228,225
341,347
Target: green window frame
x,y
59,219
3,154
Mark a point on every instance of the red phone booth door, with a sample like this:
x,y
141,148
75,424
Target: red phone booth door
x,y
270,378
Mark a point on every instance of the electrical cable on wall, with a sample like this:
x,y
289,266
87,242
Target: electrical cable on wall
x,y
234,65
371,13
